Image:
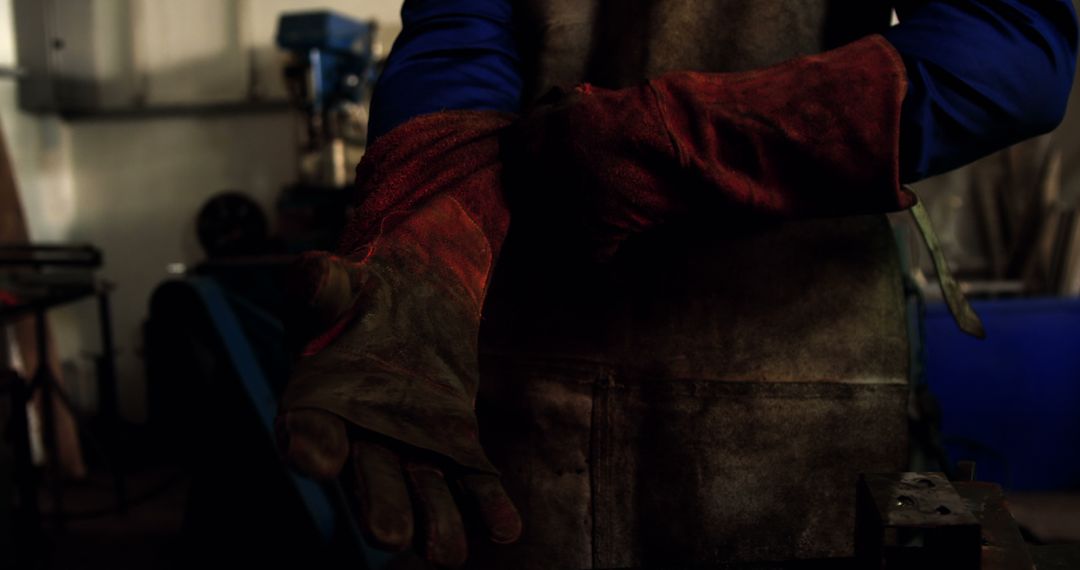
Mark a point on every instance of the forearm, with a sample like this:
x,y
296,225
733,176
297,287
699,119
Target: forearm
x,y
451,55
982,75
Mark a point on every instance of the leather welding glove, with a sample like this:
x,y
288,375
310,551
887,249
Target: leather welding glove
x,y
386,391
816,136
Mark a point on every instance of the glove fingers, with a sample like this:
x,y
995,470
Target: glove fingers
x,y
444,534
385,511
500,517
314,442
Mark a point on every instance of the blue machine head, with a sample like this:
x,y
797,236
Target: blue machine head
x,y
337,50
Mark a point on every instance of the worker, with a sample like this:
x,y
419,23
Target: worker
x,y
664,115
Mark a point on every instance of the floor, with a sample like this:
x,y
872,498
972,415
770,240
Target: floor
x,y
147,535
95,536
1050,517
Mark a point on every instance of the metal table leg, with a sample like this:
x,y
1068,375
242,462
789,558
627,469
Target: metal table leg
x,y
44,381
107,393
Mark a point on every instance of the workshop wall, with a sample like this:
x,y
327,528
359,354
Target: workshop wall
x,y
132,185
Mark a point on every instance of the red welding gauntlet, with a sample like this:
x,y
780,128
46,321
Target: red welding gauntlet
x,y
397,360
816,136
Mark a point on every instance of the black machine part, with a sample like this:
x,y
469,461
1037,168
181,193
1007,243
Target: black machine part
x,y
923,520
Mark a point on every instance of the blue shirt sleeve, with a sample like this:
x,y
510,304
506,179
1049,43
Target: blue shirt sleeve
x,y
451,54
982,75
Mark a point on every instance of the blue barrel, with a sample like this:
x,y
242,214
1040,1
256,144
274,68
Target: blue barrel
x,y
1011,402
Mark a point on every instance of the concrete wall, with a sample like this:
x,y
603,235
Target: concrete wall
x,y
134,186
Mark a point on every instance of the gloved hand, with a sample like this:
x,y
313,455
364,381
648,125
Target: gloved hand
x,y
816,136
386,391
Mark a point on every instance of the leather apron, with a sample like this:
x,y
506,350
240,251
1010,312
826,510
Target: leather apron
x,y
713,393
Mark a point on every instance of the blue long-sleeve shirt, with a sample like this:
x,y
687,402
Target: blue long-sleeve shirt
x,y
451,54
983,74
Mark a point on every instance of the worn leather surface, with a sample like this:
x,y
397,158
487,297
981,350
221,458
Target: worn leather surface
x,y
712,394
399,309
738,143
702,407
616,43
392,370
